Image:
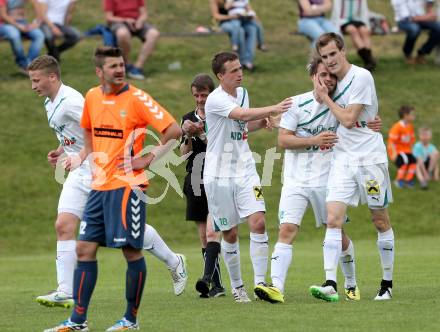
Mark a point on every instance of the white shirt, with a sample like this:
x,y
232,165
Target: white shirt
x,y
306,117
64,116
227,152
408,8
359,145
57,10
238,7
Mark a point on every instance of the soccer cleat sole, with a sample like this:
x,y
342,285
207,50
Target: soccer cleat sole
x,y
265,296
319,295
50,304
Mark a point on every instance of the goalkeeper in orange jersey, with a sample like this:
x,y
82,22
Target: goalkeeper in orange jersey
x,y
401,138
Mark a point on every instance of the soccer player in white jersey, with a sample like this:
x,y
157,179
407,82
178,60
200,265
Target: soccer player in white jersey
x,y
64,107
307,132
359,167
231,181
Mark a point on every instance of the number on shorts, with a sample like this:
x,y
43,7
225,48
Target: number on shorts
x,y
82,227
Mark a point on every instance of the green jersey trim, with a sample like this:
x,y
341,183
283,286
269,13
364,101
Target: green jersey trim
x,y
305,103
327,109
56,107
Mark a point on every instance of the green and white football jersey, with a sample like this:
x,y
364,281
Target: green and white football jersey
x,y
359,145
64,116
306,117
227,153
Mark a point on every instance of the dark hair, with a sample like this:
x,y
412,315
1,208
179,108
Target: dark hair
x,y
47,63
313,65
404,110
220,59
327,38
106,52
203,82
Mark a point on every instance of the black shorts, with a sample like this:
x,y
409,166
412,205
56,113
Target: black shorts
x,y
405,159
357,24
427,163
138,33
196,205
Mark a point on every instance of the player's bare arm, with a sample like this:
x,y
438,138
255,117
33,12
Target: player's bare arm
x,y
168,139
251,114
288,140
346,116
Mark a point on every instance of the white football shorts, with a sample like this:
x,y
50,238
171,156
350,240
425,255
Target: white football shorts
x,y
231,200
371,184
75,191
295,200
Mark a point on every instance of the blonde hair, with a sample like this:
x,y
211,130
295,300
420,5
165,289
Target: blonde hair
x,y
46,63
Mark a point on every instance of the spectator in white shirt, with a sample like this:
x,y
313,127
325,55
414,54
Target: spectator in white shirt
x,y
413,16
57,16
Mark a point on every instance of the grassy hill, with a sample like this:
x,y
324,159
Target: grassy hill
x,y
29,193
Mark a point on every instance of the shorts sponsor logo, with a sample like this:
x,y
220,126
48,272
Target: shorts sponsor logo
x,y
258,192
373,188
108,132
119,239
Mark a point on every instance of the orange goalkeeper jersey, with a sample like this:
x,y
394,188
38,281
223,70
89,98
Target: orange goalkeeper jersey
x,y
401,136
113,119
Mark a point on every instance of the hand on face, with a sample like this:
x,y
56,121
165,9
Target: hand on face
x,y
320,88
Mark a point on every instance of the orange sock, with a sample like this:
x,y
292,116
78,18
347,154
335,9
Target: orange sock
x,y
402,172
411,171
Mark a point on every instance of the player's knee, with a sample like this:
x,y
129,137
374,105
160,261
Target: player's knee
x,y
287,233
65,229
333,220
257,223
85,251
131,254
381,221
231,236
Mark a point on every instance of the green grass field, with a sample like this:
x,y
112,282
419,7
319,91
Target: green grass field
x,y
29,193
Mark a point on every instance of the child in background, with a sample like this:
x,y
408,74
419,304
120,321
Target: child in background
x,y
427,158
243,10
400,141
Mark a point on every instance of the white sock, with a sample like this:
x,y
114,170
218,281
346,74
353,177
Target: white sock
x,y
231,257
332,250
348,267
259,252
154,244
66,263
385,244
279,264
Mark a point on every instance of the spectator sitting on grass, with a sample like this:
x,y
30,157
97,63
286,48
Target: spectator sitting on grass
x,y
400,141
312,21
352,17
245,13
57,16
128,18
427,158
14,26
242,35
413,16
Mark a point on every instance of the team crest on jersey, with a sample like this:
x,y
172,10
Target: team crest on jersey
x,y
373,188
258,192
123,113
241,124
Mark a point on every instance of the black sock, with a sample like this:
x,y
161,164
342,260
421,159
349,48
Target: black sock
x,y
363,53
84,281
134,286
212,267
386,284
331,283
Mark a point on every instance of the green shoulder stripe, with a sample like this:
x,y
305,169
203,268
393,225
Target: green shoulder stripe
x,y
326,110
343,91
305,103
316,117
244,96
56,107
